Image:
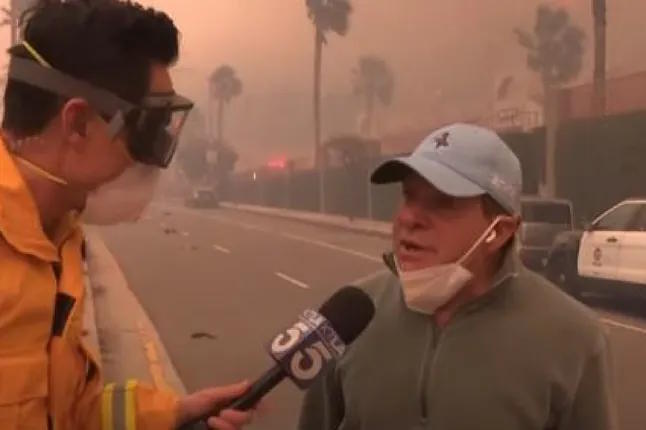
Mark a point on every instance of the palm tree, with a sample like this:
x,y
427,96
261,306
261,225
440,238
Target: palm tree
x,y
555,52
326,15
373,81
224,86
599,14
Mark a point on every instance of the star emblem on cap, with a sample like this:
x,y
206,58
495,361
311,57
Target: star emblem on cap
x,y
442,141
501,184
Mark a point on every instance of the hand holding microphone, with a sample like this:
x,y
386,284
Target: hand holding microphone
x,y
195,405
302,351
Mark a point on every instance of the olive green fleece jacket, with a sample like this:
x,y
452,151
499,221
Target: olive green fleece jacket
x,y
523,357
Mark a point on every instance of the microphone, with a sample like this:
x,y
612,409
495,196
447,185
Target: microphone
x,y
303,350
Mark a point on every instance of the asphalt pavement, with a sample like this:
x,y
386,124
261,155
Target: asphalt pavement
x,y
218,284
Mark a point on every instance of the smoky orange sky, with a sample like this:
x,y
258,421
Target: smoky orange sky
x,y
446,55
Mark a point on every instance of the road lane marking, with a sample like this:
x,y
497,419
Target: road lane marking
x,y
154,363
155,367
624,326
221,249
222,220
291,280
332,247
291,236
247,226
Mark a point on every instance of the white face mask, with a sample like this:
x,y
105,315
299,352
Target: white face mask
x,y
426,290
124,199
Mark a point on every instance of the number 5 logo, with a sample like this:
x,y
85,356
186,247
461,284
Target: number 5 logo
x,y
316,354
286,341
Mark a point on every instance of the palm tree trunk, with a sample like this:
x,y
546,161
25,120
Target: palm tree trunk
x,y
551,114
209,115
599,13
318,151
220,120
370,112
318,59
17,8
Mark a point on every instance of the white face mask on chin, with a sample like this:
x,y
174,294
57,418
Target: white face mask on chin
x,y
124,199
426,290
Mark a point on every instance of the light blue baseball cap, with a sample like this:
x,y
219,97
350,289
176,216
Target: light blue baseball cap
x,y
462,160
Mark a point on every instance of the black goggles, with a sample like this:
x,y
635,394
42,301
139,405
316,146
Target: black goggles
x,y
152,127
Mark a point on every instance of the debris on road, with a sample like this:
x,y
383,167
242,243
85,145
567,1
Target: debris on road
x,y
203,335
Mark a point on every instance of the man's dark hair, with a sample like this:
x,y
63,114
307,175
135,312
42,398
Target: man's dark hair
x,y
109,43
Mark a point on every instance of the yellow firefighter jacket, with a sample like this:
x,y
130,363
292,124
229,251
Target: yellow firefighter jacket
x,y
48,377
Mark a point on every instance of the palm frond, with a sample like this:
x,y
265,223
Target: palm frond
x,y
225,84
330,15
555,50
373,77
524,39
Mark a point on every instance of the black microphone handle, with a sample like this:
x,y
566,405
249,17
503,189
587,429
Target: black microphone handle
x,y
247,401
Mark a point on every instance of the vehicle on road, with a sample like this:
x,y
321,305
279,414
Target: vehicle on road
x,y
608,257
203,198
561,265
543,220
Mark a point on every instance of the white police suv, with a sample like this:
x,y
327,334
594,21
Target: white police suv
x,y
612,252
608,257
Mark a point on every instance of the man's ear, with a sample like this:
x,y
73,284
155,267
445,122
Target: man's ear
x,y
75,116
505,229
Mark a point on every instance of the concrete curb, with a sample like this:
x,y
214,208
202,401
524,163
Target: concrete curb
x,y
129,344
359,225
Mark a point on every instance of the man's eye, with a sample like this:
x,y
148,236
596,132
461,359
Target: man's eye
x,y
441,202
446,201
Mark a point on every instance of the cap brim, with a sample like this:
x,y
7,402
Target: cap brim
x,y
440,176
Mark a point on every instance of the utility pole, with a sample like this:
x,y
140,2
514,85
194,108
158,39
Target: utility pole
x,y
600,24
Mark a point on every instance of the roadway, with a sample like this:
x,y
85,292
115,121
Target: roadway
x,y
218,284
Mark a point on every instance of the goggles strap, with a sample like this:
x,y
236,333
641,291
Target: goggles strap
x,y
40,171
35,54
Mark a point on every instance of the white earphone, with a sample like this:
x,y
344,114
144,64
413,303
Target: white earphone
x,y
492,236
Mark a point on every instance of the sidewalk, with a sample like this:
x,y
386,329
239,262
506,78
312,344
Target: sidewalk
x,y
128,343
359,225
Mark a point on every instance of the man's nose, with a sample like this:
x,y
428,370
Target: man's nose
x,y
408,216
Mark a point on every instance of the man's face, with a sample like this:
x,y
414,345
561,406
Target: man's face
x,y
432,228
96,157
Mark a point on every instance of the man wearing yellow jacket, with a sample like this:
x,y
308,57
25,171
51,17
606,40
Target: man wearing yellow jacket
x,y
90,119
